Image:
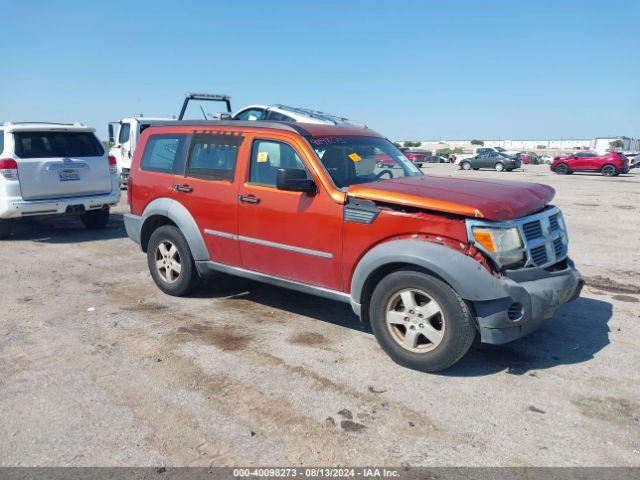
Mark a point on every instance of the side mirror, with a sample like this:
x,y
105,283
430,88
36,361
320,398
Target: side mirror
x,y
295,180
225,116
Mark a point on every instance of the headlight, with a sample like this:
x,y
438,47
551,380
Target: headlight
x,y
503,244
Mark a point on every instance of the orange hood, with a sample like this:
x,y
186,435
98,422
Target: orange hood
x,y
489,199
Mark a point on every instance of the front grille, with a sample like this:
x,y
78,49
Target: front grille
x,y
558,247
539,255
532,230
543,235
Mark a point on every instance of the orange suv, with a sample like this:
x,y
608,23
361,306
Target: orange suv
x,y
428,261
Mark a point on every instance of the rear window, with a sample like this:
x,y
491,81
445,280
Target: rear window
x,y
164,153
213,156
57,144
1,141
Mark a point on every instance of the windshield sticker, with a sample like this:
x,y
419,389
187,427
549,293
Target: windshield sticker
x,y
327,140
263,157
355,157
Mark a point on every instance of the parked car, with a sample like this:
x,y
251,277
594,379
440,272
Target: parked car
x,y
528,158
415,156
609,164
384,160
493,160
479,151
429,261
54,169
634,159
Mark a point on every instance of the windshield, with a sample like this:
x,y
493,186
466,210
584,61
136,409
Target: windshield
x,y
354,159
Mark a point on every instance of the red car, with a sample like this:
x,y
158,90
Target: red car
x,y
417,158
609,164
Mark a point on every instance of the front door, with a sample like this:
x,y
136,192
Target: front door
x,y
291,235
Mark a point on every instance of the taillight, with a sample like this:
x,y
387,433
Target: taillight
x,y
9,168
113,164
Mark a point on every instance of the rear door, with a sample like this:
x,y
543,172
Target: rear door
x,y
56,164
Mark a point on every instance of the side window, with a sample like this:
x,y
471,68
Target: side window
x,y
125,133
251,114
279,117
213,156
267,156
164,153
1,140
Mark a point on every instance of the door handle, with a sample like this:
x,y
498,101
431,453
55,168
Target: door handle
x,y
183,188
248,199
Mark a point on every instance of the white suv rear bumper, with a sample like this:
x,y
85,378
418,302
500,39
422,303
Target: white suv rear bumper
x,y
16,207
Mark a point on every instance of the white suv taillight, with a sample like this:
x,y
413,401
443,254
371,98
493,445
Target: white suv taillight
x,y
113,164
9,168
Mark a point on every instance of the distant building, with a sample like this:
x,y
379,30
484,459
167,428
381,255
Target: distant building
x,y
599,144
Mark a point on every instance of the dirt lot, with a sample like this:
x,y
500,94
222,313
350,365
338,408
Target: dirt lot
x,y
97,367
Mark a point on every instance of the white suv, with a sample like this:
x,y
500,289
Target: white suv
x,y
48,169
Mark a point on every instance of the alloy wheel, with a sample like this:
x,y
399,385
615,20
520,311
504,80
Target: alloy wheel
x,y
168,261
415,320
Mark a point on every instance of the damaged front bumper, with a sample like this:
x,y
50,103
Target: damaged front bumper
x,y
534,295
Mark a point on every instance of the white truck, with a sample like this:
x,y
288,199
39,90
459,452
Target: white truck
x,y
124,134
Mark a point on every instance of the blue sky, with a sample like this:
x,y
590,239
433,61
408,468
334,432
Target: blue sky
x,y
411,70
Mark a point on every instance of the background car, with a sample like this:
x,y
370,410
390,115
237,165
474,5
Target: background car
x,y
610,164
496,161
416,157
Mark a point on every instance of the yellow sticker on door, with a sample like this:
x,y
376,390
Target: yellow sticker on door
x,y
355,157
263,157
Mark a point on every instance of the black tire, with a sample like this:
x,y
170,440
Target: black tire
x,y
454,317
187,279
608,170
499,167
5,229
96,219
509,169
476,169
465,166
562,169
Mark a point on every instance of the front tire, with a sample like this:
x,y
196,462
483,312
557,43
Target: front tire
x,y
465,166
420,322
562,169
96,219
170,262
5,229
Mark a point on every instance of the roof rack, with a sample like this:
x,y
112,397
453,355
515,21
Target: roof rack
x,y
210,97
336,119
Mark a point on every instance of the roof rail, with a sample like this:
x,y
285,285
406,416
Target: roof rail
x,y
290,127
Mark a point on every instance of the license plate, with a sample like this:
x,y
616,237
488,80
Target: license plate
x,y
69,176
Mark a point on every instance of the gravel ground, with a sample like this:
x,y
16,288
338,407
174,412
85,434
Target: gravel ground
x,y
98,367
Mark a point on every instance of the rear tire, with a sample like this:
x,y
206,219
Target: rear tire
x,y
5,229
608,170
465,166
420,322
170,262
96,219
499,167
